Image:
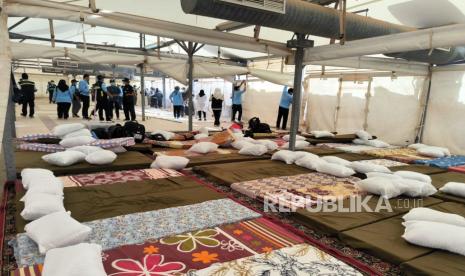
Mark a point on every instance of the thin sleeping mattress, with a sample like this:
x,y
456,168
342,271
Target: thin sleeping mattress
x,y
341,138
406,155
439,180
445,162
125,161
418,168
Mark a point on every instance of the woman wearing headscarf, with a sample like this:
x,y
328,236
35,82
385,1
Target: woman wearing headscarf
x,y
63,98
217,99
201,105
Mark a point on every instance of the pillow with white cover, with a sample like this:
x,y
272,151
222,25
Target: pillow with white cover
x,y
64,158
359,142
322,133
166,134
62,130
363,167
255,150
103,157
200,136
29,175
76,141
362,134
381,186
377,143
170,162
204,147
287,156
238,135
56,230
37,205
427,214
336,160
454,188
386,175
239,144
297,138
271,145
431,152
334,169
48,185
309,162
79,133
435,235
416,146
414,176
119,149
298,145
250,140
75,260
86,149
415,188
445,150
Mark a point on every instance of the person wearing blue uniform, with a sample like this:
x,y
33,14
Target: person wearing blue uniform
x,y
237,101
84,95
115,100
76,99
177,100
63,98
102,98
51,86
284,105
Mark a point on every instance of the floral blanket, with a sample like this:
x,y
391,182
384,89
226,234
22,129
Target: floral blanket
x,y
84,180
347,147
444,163
195,250
301,259
297,191
140,227
405,155
103,143
384,162
34,137
186,153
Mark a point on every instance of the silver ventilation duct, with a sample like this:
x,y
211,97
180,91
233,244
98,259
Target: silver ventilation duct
x,y
313,19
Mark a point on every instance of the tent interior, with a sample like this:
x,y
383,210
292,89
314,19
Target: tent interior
x,y
347,156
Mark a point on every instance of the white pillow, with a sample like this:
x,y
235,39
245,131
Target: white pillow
x,y
204,130
56,230
309,162
250,140
204,147
238,135
303,154
287,156
271,145
86,149
255,150
444,150
37,205
64,158
359,142
454,188
414,175
62,130
200,136
336,160
334,169
103,157
297,137
415,188
416,146
29,175
119,149
381,186
377,143
386,175
431,152
436,235
166,134
362,134
79,133
239,144
363,167
170,162
322,133
48,185
76,141
83,259
427,214
298,145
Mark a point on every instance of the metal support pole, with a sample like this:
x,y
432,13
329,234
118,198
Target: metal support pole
x,y
164,92
142,90
190,77
367,104
338,106
296,101
419,138
9,132
342,21
52,32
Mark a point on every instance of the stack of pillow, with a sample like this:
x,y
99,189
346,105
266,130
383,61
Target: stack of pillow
x,y
434,229
387,185
249,146
365,138
430,151
300,142
322,134
56,233
91,154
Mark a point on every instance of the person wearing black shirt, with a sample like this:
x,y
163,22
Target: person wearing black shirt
x,y
217,99
28,89
50,90
101,96
128,101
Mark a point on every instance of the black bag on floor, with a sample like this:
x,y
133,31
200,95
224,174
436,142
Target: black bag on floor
x,y
101,133
136,130
117,131
255,126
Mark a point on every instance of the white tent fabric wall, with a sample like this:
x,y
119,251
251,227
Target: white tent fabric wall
x,y
351,114
262,100
444,123
321,103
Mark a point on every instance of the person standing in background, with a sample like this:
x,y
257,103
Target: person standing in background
x,y
63,98
128,101
237,101
83,88
76,98
284,105
50,89
102,97
28,89
217,105
159,97
115,99
201,105
177,100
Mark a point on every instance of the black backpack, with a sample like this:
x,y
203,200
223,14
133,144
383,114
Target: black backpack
x,y
101,133
116,131
136,130
255,126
